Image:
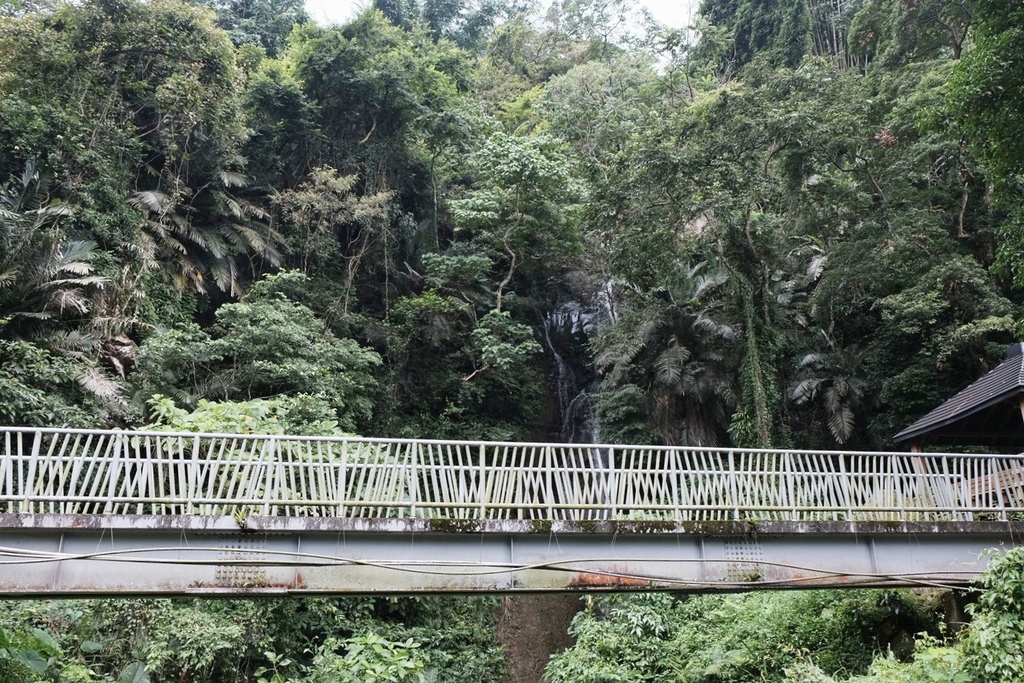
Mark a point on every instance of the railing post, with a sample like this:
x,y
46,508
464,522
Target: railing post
x,y
791,486
997,489
482,482
145,478
967,494
275,473
6,480
193,476
24,487
924,492
549,479
734,486
611,485
112,473
414,488
845,489
342,479
947,480
902,494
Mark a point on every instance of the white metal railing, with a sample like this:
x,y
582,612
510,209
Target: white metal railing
x,y
68,471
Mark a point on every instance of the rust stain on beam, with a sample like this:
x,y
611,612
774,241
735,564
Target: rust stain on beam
x,y
614,577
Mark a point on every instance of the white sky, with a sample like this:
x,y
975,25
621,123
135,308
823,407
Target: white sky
x,y
673,13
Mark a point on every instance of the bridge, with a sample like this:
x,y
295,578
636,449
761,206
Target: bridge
x,y
89,512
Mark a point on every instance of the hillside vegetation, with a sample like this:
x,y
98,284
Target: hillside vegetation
x,y
800,220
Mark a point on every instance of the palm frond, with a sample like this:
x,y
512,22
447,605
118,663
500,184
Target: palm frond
x,y
253,211
195,234
33,315
73,342
153,201
817,266
812,360
620,354
806,389
710,327
232,205
705,283
51,212
8,276
179,222
222,275
233,178
671,363
76,250
99,385
840,423
85,341
217,243
261,245
68,299
97,281
646,331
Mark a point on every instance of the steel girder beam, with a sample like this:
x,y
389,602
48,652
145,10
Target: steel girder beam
x,y
93,555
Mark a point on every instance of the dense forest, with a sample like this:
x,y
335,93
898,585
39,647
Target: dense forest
x,y
797,223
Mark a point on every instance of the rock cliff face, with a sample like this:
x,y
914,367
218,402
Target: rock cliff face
x,y
566,332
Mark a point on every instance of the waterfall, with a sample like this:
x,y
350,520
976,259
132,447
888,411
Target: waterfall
x,y
567,330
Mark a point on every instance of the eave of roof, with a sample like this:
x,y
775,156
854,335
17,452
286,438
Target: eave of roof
x,y
1004,382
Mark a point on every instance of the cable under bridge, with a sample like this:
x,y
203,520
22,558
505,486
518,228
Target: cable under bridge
x,y
91,512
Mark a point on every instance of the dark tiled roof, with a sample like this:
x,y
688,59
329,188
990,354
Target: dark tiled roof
x,y
1002,383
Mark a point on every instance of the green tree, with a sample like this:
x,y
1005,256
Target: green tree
x,y
995,638
141,130
939,335
379,92
898,33
265,23
669,344
466,23
265,346
329,226
724,639
43,275
520,210
777,29
387,106
284,143
986,96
